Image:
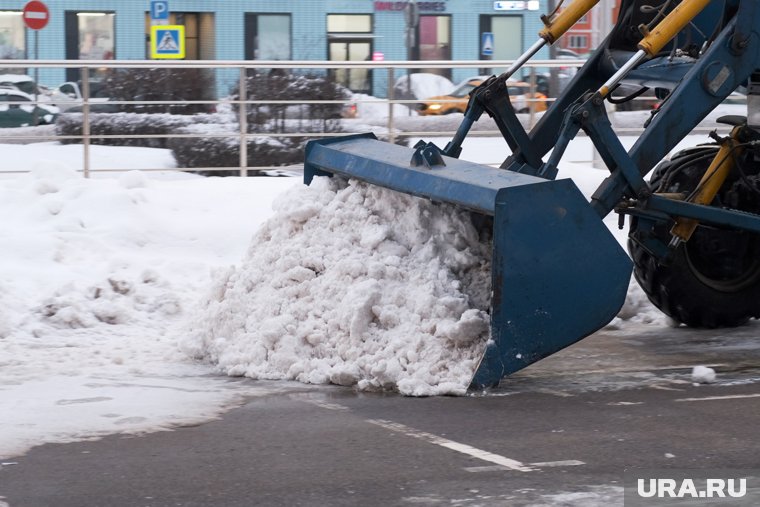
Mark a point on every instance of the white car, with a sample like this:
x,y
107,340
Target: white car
x,y
69,95
21,81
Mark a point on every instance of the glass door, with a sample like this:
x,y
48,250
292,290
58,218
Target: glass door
x,y
346,50
507,38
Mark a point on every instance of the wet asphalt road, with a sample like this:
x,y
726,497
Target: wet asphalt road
x,y
560,433
332,447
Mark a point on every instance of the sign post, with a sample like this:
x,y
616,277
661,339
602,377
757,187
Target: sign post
x,y
412,18
36,16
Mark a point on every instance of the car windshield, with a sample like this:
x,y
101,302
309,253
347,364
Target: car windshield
x,y
12,97
24,86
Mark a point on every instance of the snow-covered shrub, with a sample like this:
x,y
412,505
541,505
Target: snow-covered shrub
x,y
124,124
162,85
225,151
281,86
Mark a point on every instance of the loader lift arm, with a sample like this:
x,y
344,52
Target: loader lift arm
x,y
558,274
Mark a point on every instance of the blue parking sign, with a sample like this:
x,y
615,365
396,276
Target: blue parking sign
x,y
159,9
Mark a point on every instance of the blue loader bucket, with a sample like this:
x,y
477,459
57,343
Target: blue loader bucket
x,y
558,274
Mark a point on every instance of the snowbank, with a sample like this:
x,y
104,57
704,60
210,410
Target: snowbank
x,y
356,285
372,108
96,275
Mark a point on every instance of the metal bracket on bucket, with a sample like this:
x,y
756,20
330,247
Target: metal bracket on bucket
x,y
427,154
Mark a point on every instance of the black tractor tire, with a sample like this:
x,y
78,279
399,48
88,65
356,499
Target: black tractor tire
x,y
711,281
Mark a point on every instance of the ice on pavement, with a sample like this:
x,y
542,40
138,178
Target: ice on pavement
x,y
356,285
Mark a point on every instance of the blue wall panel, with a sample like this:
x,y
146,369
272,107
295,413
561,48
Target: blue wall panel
x,y
309,40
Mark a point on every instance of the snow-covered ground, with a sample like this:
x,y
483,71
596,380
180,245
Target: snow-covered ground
x,y
100,278
95,276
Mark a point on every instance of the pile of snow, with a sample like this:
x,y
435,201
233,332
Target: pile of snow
x,y
356,285
703,375
373,108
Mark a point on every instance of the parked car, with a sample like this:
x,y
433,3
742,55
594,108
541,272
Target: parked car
x,y
15,112
20,81
69,97
456,101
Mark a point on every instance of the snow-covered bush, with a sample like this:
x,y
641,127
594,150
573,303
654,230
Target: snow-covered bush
x,y
281,86
225,151
125,124
177,85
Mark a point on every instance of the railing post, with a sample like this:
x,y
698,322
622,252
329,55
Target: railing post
x,y
85,73
243,121
391,133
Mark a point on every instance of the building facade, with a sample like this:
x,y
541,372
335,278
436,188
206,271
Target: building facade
x,y
591,29
335,30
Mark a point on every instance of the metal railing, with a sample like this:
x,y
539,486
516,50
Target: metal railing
x,y
243,69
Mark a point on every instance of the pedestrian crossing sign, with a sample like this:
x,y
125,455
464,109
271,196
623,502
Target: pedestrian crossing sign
x,y
167,41
486,44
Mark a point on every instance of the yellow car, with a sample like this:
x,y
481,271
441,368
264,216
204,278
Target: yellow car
x,y
456,101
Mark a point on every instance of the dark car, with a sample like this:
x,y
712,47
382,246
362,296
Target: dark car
x,y
17,109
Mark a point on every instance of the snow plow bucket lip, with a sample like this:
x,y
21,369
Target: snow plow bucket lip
x,y
363,157
557,272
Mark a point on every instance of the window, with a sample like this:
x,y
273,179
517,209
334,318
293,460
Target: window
x,y
578,42
12,97
12,39
435,41
199,34
349,23
89,36
267,37
68,89
96,34
349,38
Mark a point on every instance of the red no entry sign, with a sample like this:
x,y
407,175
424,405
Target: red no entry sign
x,y
36,15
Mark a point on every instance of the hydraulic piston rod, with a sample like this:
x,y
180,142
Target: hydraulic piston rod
x,y
656,39
554,28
